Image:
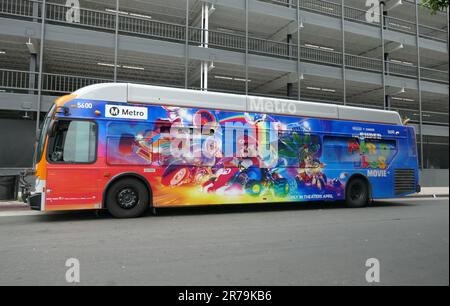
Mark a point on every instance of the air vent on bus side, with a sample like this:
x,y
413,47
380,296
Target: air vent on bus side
x,y
405,181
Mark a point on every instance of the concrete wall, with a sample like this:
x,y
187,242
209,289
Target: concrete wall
x,y
434,178
17,138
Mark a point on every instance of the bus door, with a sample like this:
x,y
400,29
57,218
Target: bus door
x,y
72,174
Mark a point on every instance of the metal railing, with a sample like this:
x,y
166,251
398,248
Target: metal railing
x,y
433,33
51,83
434,75
399,25
18,8
58,84
88,17
148,27
15,79
106,20
364,63
141,26
323,7
428,117
359,15
401,69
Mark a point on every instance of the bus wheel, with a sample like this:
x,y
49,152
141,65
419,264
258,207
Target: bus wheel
x,y
357,193
127,198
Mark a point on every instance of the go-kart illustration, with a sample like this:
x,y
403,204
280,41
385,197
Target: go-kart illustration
x,y
177,175
247,179
190,169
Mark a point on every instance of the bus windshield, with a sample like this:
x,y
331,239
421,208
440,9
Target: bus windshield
x,y
43,133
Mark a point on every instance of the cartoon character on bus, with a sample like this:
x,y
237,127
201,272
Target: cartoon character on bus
x,y
243,175
193,168
310,173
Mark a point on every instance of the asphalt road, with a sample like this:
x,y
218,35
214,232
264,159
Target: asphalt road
x,y
307,244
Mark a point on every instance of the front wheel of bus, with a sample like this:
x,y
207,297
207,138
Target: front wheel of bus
x,y
357,193
127,198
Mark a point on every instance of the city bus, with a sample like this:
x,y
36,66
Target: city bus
x,y
126,148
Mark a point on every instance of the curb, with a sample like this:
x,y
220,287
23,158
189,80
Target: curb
x,y
13,206
434,196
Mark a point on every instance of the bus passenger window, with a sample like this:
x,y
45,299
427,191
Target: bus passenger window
x,y
165,130
73,142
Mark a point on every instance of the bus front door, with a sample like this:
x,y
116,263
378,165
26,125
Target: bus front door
x,y
72,174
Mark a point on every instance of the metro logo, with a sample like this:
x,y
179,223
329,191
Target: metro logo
x,y
126,112
262,105
114,111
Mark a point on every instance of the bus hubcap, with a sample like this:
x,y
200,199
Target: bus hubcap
x,y
127,198
356,192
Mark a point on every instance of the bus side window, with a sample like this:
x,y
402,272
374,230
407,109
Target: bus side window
x,y
412,142
342,150
165,130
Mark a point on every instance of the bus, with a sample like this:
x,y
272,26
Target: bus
x,y
126,148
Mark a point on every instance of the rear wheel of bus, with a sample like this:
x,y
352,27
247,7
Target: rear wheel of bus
x,y
127,198
357,193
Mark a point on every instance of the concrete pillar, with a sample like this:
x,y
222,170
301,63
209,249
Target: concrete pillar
x,y
387,102
35,11
290,89
387,58
289,40
290,86
205,44
33,68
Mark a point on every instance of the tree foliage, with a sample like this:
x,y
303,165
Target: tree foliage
x,y
436,5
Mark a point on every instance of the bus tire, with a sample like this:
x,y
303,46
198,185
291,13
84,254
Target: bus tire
x,y
127,198
357,193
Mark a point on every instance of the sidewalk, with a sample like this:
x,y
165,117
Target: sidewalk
x,y
13,205
432,192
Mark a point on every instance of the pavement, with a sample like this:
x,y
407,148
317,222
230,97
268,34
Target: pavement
x,y
287,244
427,192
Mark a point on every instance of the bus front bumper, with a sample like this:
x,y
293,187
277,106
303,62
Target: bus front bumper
x,y
35,201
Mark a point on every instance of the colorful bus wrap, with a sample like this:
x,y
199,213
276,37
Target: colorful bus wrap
x,y
97,154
